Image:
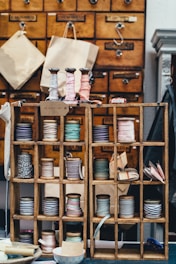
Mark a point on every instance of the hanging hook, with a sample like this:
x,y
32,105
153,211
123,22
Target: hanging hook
x,y
117,27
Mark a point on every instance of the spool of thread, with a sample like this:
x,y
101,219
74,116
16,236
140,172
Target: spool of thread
x,y
24,166
47,168
101,169
103,205
23,131
73,237
126,206
84,91
70,93
50,130
53,88
73,168
26,205
26,237
48,241
72,130
73,205
126,129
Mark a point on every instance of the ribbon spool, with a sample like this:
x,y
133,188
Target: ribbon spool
x,y
53,89
24,166
84,91
73,205
48,241
26,205
73,237
70,93
47,168
101,169
73,168
126,206
103,205
50,130
72,130
126,129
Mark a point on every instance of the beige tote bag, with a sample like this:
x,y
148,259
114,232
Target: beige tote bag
x,y
19,59
65,53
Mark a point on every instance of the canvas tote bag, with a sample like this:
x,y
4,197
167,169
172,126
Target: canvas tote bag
x,y
19,59
65,53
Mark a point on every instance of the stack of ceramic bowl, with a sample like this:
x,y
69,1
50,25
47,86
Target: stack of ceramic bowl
x,y
23,131
152,208
50,206
26,205
100,133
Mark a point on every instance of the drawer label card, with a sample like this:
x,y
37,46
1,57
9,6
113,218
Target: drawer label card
x,y
123,46
28,18
70,17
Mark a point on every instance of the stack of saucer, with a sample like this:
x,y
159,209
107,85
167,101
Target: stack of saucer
x,y
50,206
152,208
26,205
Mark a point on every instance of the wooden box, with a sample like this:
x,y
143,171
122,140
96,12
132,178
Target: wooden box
x,y
127,5
27,5
126,81
129,54
103,5
54,5
35,24
84,24
130,25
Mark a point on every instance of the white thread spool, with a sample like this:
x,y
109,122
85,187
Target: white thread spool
x,y
126,129
126,206
103,205
48,241
47,168
49,130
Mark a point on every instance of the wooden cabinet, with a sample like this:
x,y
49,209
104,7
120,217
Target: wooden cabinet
x,y
113,226
58,184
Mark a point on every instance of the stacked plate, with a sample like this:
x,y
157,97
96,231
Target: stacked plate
x,y
23,131
152,208
26,205
50,206
100,133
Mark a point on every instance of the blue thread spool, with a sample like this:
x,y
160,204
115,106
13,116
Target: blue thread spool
x,y
72,130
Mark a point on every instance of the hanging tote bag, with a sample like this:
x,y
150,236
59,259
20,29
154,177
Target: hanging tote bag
x,y
19,59
65,53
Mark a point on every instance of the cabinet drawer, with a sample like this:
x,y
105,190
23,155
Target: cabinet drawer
x,y
126,81
128,5
100,83
130,98
30,97
129,54
111,25
4,5
90,5
35,24
56,5
84,24
27,5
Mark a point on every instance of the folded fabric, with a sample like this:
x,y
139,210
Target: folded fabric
x,y
154,172
19,59
128,174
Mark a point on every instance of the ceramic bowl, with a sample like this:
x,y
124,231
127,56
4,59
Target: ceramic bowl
x,y
61,259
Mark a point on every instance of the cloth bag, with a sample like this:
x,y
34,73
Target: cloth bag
x,y
19,59
65,53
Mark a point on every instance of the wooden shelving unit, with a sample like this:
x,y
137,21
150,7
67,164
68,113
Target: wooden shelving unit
x,y
114,225
37,186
